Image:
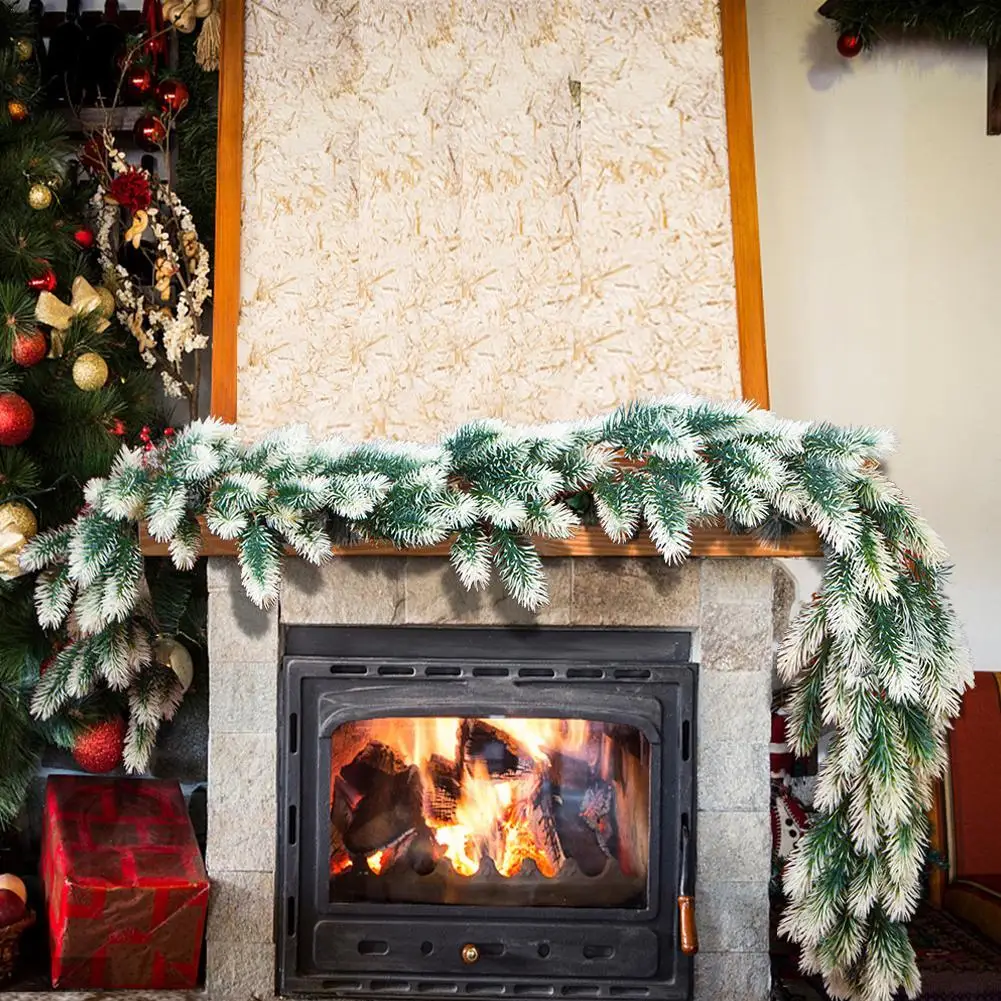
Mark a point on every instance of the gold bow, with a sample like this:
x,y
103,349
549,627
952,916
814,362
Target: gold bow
x,y
59,315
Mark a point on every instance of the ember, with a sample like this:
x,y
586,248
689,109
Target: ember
x,y
556,798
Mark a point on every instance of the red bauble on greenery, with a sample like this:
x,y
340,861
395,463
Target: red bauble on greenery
x,y
138,83
29,348
84,237
849,44
172,96
45,280
117,427
17,419
149,133
99,747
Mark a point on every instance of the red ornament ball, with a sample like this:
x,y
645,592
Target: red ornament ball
x,y
117,427
99,748
45,281
849,44
29,348
149,133
17,419
172,96
138,83
12,908
84,237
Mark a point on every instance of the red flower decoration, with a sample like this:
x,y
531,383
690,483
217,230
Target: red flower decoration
x,y
131,190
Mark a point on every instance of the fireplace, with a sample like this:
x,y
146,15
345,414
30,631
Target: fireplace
x,y
656,618
485,812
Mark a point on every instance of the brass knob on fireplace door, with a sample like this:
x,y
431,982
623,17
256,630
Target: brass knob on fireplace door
x,y
470,953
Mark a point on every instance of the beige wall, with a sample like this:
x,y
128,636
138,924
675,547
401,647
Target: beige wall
x,y
459,208
880,202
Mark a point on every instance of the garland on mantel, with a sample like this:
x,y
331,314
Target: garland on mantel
x,y
874,655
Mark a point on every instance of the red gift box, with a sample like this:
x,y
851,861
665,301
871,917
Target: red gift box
x,y
125,885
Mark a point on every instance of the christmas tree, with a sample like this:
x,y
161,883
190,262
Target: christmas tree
x,y
72,389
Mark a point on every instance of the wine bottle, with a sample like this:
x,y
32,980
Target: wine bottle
x,y
66,47
105,45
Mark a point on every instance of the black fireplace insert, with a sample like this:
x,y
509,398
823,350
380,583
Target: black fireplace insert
x,y
485,812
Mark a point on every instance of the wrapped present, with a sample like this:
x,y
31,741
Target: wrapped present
x,y
125,885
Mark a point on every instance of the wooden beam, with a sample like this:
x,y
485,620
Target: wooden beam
x,y
744,203
588,541
229,167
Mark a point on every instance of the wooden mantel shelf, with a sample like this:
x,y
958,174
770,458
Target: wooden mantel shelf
x,y
586,541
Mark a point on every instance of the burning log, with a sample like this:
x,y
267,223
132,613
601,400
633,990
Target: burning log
x,y
503,756
529,832
441,790
390,802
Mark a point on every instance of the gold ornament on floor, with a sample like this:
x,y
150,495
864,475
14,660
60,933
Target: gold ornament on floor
x,y
17,525
59,315
17,110
39,196
24,49
175,657
90,372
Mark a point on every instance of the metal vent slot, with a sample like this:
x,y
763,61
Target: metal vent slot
x,y
585,672
632,673
290,915
435,988
293,733
580,991
348,669
536,672
397,670
293,832
373,947
490,672
442,671
598,952
686,740
385,986
628,992
342,985
534,990
491,989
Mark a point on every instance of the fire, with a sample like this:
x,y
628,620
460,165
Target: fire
x,y
471,789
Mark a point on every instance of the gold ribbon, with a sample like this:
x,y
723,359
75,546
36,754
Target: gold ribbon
x,y
59,315
134,233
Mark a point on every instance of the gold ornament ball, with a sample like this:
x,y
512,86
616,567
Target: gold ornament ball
x,y
90,372
17,110
8,881
40,196
107,305
24,49
15,517
175,657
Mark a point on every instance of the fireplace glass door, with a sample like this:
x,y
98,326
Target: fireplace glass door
x,y
504,811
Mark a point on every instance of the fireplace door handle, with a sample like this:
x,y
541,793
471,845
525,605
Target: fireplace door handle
x,y
686,898
689,933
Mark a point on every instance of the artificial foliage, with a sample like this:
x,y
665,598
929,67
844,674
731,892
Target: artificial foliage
x,y
977,21
874,655
74,434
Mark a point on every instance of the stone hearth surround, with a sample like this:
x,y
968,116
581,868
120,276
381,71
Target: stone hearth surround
x,y
728,602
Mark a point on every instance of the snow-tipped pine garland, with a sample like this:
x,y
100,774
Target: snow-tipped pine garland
x,y
875,654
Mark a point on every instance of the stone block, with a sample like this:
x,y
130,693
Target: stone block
x,y
735,637
733,775
242,808
244,697
734,847
732,917
241,907
347,591
239,630
734,705
734,579
223,574
435,595
732,976
239,970
608,591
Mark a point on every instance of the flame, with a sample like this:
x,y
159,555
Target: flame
x,y
504,816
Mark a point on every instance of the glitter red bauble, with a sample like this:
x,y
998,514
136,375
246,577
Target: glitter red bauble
x,y
149,133
99,748
849,44
17,419
172,96
46,281
138,83
12,908
29,348
84,237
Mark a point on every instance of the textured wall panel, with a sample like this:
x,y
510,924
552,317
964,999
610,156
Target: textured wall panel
x,y
514,209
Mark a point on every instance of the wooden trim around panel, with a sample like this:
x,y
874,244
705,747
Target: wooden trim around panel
x,y
744,203
229,166
743,207
587,541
